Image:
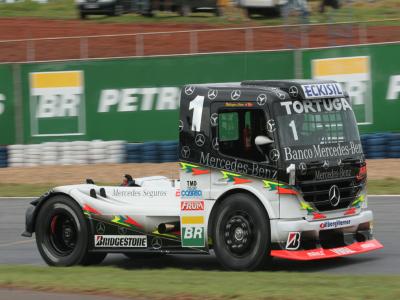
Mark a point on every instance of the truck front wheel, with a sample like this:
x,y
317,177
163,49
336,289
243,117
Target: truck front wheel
x,y
241,233
62,234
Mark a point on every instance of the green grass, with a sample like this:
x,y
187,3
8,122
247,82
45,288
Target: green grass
x,y
65,9
375,187
194,284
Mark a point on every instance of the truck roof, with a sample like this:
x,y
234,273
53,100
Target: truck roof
x,y
295,89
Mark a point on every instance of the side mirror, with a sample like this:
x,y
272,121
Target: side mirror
x,y
262,140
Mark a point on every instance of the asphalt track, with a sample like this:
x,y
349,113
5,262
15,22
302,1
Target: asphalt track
x,y
15,249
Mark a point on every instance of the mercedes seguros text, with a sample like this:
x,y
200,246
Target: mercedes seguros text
x,y
267,169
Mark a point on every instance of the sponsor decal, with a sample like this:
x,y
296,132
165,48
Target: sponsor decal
x,y
367,245
200,140
138,193
293,241
239,104
189,90
262,99
212,94
318,105
353,73
120,241
332,174
342,251
192,231
191,191
57,106
322,151
236,166
350,211
194,169
192,205
235,94
335,224
311,211
317,253
100,228
293,91
156,243
322,90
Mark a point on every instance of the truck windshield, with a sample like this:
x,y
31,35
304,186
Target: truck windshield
x,y
313,131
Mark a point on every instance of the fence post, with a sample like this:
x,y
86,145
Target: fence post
x,y
248,35
30,50
298,63
84,47
139,45
193,42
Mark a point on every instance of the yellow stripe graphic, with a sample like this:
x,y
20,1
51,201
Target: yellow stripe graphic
x,y
56,79
340,66
193,220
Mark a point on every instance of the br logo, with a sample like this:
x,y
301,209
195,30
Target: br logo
x,y
57,103
193,236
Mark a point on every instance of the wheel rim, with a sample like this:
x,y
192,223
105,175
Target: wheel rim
x,y
239,233
62,233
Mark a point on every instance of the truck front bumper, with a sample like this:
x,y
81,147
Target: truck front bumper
x,y
327,238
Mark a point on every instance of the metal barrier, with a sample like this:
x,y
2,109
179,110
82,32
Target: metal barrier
x,y
290,36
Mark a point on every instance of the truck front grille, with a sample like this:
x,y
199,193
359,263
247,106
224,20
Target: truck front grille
x,y
317,192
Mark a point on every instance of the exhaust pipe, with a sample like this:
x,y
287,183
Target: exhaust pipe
x,y
169,227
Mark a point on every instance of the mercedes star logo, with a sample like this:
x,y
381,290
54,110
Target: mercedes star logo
x,y
189,90
214,119
100,228
339,162
262,99
235,94
326,164
180,125
334,195
200,140
303,168
274,154
212,94
122,230
185,151
271,126
280,94
215,144
293,91
156,243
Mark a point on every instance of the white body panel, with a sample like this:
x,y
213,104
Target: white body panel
x,y
261,3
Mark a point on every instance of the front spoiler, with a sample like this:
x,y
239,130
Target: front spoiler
x,y
320,253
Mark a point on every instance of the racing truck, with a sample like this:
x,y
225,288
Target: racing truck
x,y
267,169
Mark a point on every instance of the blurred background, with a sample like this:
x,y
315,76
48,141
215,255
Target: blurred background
x,y
98,81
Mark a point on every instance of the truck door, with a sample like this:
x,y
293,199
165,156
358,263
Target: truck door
x,y
234,150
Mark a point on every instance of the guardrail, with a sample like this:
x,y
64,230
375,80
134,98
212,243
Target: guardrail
x,y
254,38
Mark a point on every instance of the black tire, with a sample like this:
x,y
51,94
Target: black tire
x,y
62,233
82,15
241,233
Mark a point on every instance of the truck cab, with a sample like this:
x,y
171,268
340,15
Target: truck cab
x,y
292,146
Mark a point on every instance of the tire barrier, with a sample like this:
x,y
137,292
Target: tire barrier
x,y
3,157
87,152
381,145
152,152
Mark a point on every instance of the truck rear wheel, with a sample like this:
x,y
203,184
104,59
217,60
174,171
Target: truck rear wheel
x,y
241,233
62,234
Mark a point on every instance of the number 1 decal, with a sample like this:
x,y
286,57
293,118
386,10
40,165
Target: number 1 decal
x,y
293,126
197,105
